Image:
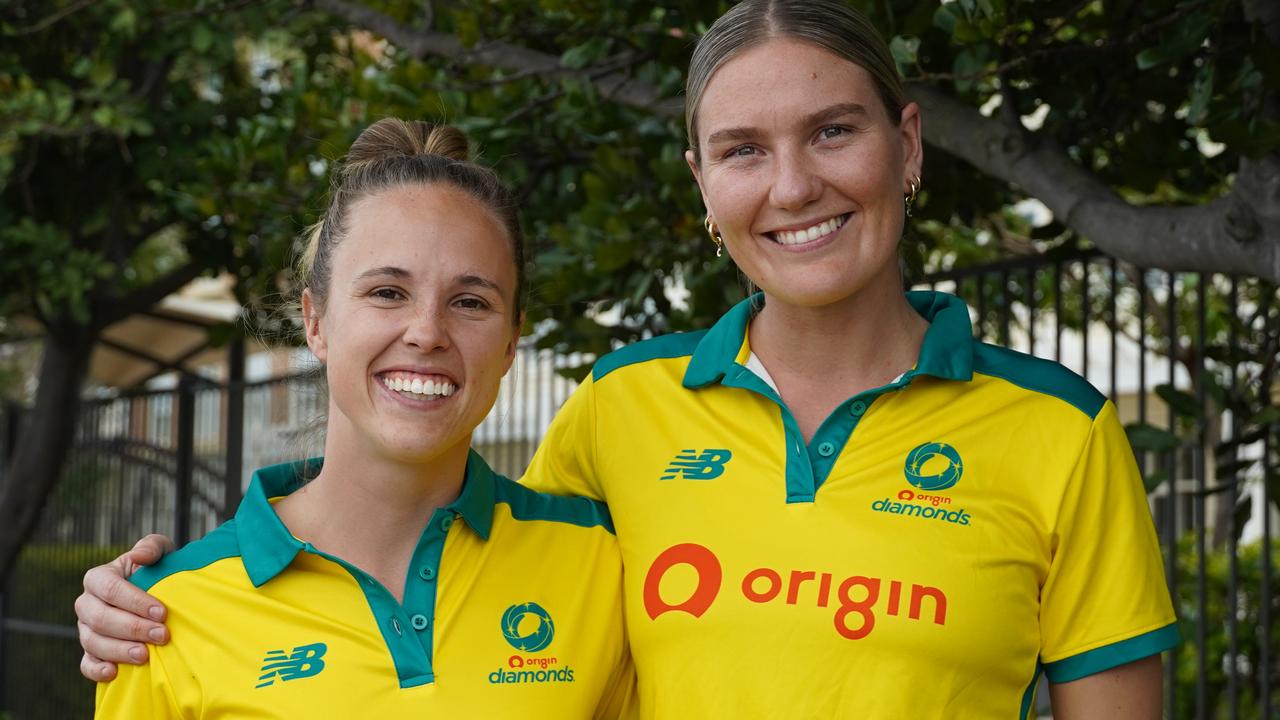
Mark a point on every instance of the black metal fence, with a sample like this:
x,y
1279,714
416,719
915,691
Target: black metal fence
x,y
1189,360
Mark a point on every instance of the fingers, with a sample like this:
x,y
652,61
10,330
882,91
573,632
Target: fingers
x,y
149,549
107,584
109,635
95,669
101,618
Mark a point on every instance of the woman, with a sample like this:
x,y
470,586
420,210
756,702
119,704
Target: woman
x,y
354,592
834,502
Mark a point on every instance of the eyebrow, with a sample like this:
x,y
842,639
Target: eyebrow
x,y
384,271
402,274
824,115
476,280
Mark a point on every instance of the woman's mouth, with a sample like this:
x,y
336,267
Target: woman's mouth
x,y
420,387
811,233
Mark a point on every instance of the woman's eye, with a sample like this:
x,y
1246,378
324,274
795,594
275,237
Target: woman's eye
x,y
741,151
387,294
471,303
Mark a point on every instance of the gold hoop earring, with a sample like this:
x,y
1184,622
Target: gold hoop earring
x,y
714,233
910,198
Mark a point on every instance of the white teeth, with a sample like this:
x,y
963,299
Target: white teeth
x,y
418,386
796,237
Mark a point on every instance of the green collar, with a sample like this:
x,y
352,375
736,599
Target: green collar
x,y
266,545
947,351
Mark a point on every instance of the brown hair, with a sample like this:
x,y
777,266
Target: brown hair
x,y
392,153
830,24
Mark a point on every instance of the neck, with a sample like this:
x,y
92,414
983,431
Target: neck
x,y
369,509
821,356
871,334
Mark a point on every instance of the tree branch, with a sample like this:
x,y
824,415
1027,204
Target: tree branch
x,y
1239,232
616,86
145,297
54,18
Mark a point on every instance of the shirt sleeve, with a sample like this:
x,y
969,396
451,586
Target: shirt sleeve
x,y
565,463
1104,602
143,691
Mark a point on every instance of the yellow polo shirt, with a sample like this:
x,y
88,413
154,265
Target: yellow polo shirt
x,y
515,612
939,543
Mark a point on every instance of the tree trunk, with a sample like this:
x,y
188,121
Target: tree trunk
x,y
44,441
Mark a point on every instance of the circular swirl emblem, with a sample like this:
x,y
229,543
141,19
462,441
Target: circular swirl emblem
x,y
534,641
920,456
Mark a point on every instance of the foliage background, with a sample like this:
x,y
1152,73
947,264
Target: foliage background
x,y
144,143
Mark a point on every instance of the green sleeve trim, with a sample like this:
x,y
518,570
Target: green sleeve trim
x,y
1113,655
217,545
1038,375
662,347
529,504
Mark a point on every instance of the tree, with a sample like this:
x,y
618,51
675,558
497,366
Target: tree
x,y
144,143
140,147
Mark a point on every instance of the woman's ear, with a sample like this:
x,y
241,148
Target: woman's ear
x,y
514,344
912,142
311,323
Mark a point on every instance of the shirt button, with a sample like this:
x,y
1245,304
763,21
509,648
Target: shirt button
x,y
826,449
420,622
857,407
427,573
395,625
446,522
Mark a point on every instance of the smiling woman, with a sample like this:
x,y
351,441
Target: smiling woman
x,y
353,592
832,503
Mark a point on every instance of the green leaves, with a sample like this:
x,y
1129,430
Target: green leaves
x,y
904,52
1143,436
1181,402
37,261
1184,38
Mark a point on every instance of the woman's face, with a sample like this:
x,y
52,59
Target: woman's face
x,y
804,172
417,330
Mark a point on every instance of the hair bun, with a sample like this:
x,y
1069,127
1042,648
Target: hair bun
x,y
391,137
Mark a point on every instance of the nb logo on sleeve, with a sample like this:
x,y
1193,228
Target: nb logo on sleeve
x,y
695,465
303,662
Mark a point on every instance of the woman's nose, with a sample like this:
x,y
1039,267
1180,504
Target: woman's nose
x,y
795,183
427,330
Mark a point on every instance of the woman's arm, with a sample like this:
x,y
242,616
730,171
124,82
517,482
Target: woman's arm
x,y
114,617
1125,692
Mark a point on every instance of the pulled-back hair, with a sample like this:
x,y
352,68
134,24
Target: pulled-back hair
x,y
830,24
393,153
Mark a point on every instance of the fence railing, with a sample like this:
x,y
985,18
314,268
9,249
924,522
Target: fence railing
x,y
1183,356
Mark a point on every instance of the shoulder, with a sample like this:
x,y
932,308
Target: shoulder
x,y
217,545
663,347
1038,375
531,505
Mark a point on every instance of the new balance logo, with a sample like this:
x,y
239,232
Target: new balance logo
x,y
303,662
694,465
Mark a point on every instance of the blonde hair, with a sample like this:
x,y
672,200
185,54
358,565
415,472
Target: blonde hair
x,y
392,153
830,24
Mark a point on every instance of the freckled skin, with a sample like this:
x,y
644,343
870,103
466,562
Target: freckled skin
x,y
790,171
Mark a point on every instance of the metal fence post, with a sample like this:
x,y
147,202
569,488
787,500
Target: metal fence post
x,y
185,459
232,477
9,440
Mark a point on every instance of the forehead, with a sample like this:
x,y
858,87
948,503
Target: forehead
x,y
781,80
437,222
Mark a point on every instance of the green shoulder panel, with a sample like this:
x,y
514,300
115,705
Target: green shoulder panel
x,y
1038,375
659,348
529,504
217,545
